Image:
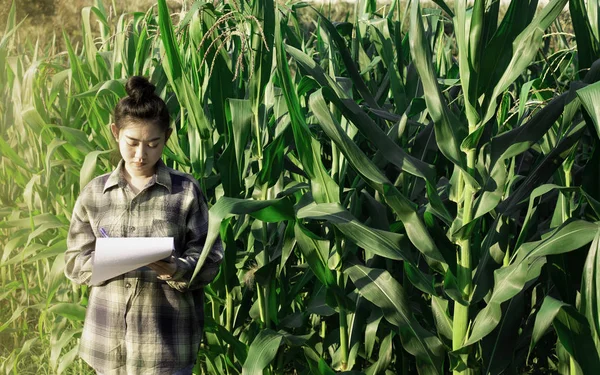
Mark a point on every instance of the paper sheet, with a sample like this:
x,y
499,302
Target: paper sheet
x,y
116,256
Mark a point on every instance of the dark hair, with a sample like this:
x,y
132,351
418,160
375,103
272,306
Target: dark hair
x,y
141,103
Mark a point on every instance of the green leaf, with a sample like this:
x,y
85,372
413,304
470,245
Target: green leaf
x,y
499,348
273,157
468,30
274,210
340,43
89,167
381,289
511,144
324,369
543,170
445,7
351,110
572,329
38,220
7,152
113,86
57,345
498,72
52,148
382,40
316,252
528,260
55,277
71,311
54,250
449,132
240,111
385,356
568,237
405,209
67,359
15,315
88,40
485,322
323,188
385,244
262,45
588,49
590,290
441,314
199,128
520,139
262,351
590,97
371,331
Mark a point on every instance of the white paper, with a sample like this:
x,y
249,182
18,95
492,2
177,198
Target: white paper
x,y
116,256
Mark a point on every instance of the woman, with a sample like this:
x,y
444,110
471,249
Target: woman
x,y
148,321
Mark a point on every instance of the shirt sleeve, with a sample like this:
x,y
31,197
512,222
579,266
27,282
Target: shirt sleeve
x,y
80,246
197,230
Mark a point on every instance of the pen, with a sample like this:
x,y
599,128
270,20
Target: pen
x,y
103,232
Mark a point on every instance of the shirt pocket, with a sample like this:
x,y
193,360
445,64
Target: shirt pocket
x,y
111,225
163,228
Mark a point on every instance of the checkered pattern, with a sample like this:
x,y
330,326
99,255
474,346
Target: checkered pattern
x,y
136,323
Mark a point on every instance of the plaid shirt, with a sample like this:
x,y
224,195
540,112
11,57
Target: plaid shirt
x,y
136,323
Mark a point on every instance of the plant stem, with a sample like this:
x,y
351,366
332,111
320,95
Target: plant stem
x,y
343,326
342,313
261,304
259,146
228,309
464,279
566,214
265,260
565,196
572,366
262,291
228,320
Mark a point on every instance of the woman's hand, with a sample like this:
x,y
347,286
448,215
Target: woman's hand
x,y
164,268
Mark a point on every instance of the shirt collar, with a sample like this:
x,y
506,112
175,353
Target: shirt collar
x,y
161,176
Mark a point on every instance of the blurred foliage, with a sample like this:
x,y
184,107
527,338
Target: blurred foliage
x,y
45,18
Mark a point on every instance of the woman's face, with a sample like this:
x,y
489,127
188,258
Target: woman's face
x,y
140,144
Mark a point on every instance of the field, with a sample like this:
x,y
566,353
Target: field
x,y
402,188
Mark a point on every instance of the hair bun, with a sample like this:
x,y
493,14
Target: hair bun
x,y
138,88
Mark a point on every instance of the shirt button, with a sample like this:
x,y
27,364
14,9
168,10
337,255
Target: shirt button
x,y
127,285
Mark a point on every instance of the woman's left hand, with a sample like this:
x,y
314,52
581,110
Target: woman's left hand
x,y
164,268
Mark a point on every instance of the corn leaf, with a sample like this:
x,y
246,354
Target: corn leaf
x,y
324,188
399,203
71,311
590,96
590,291
381,289
588,49
449,132
267,210
261,352
572,329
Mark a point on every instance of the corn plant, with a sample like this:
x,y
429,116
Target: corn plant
x,y
413,190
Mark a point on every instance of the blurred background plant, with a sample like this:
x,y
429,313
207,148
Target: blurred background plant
x,y
43,18
410,187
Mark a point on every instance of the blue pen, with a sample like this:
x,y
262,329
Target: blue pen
x,y
103,232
